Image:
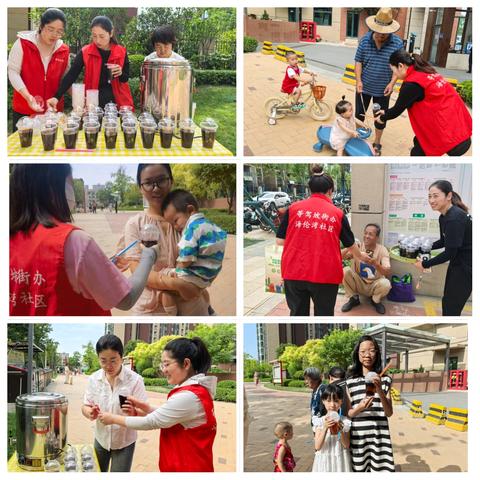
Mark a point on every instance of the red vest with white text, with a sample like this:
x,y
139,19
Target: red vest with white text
x,y
311,250
441,120
38,281
36,80
93,65
189,449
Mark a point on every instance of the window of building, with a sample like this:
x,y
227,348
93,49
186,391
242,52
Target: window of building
x,y
322,16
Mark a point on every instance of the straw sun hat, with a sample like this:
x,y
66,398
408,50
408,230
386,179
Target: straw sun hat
x,y
383,21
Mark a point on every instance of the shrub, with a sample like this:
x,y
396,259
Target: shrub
x,y
149,372
135,61
250,44
135,89
225,222
231,384
226,395
246,379
286,382
298,375
296,383
215,77
155,382
465,91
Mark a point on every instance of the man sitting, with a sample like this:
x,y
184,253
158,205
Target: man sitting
x,y
367,278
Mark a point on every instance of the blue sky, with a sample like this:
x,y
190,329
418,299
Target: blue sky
x,y
100,173
250,339
71,336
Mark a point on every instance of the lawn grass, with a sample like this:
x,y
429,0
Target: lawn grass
x,y
219,103
287,389
152,388
12,433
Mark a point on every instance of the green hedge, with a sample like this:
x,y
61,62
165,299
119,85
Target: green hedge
x,y
225,222
227,384
135,61
155,382
226,395
149,373
296,383
250,44
215,77
286,382
298,375
465,91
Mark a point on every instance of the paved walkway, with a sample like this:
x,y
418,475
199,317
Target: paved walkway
x,y
418,445
257,302
80,430
449,399
296,134
107,228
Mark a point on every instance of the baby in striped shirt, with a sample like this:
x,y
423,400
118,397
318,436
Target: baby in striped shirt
x,y
200,250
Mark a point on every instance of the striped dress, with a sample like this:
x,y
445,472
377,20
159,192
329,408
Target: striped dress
x,y
371,447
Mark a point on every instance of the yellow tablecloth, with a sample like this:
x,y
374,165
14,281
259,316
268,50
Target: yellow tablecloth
x,y
13,466
176,150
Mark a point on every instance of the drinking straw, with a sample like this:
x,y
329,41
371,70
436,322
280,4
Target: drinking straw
x,y
121,252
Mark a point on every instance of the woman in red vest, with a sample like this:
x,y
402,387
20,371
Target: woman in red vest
x,y
36,65
440,120
311,232
187,420
106,67
55,267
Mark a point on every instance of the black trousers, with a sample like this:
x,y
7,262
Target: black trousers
x,y
458,151
15,118
299,293
457,290
383,101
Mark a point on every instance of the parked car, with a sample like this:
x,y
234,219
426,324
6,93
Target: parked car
x,y
277,199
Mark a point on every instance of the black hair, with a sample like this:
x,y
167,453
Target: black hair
x,y
180,199
142,166
376,226
356,370
37,196
106,24
163,34
109,342
409,59
320,182
332,391
50,15
337,372
289,54
446,187
193,349
342,106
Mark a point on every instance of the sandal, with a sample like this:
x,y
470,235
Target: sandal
x,y
378,149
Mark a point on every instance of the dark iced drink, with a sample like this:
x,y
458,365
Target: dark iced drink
x,y
26,137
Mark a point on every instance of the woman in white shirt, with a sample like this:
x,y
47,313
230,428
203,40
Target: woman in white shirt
x,y
163,39
107,391
187,420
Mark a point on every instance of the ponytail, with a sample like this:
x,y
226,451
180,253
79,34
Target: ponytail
x,y
320,181
419,64
194,349
446,187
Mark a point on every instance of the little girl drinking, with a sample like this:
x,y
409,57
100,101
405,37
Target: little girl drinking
x,y
283,457
345,126
332,434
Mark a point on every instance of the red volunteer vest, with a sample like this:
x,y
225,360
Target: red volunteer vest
x,y
93,65
189,449
440,121
35,79
289,84
311,252
38,282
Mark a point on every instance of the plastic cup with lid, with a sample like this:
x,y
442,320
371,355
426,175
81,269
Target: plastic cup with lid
x,y
149,235
369,385
187,132
335,417
25,131
209,128
166,126
148,127
91,127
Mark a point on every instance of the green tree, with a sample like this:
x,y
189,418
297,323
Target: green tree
x,y
130,346
104,195
252,365
133,197
79,190
219,340
292,359
337,348
120,182
75,360
90,358
222,175
281,348
17,332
